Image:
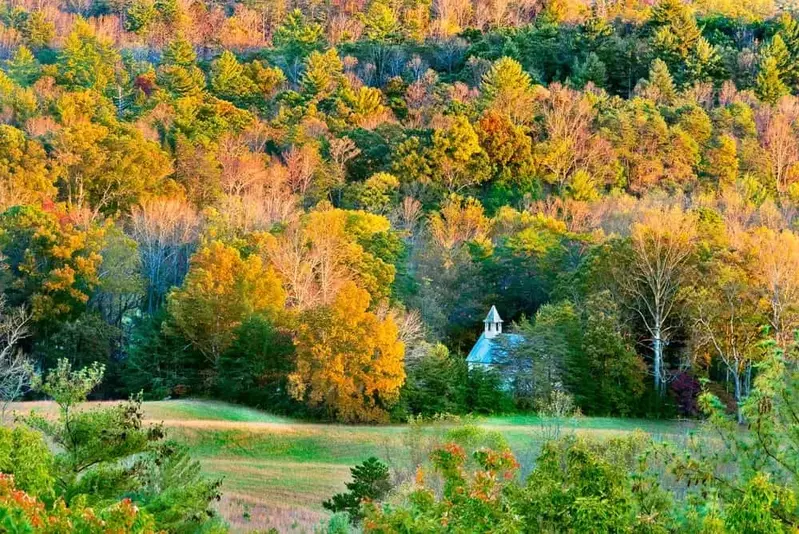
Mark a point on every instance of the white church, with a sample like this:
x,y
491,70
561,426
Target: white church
x,y
489,351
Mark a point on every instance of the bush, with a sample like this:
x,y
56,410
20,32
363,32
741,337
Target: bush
x,y
586,486
108,454
577,486
25,456
686,389
471,501
21,512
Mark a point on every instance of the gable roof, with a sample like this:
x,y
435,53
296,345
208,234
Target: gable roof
x,y
491,351
493,316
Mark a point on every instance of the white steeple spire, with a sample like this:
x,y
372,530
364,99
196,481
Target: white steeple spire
x,y
493,323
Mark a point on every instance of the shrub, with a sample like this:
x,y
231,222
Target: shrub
x,y
472,502
24,454
685,390
21,512
108,454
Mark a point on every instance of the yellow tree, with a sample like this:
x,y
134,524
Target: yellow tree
x,y
25,173
727,323
460,221
328,247
51,262
508,88
222,289
349,360
775,270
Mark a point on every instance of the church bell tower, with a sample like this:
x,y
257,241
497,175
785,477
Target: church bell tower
x,y
493,323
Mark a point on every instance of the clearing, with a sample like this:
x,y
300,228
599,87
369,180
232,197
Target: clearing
x,y
277,471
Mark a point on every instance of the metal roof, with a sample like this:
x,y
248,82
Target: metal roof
x,y
490,351
493,316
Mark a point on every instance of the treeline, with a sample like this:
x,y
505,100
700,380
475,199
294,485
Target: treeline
x,y
314,221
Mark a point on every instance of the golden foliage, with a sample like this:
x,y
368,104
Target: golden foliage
x,y
220,291
348,360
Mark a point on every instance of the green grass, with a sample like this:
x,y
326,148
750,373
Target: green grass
x,y
209,411
304,446
277,471
267,460
596,423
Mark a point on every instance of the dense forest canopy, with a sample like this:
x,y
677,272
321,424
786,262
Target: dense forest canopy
x,y
309,207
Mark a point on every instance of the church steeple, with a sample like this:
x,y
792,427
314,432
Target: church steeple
x,y
493,323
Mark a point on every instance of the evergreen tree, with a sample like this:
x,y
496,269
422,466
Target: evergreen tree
x,y
507,87
323,73
228,79
592,69
703,64
37,30
23,67
380,22
370,482
140,15
180,52
676,30
297,36
178,72
660,86
86,60
769,86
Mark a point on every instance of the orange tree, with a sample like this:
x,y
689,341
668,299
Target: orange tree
x,y
221,290
349,360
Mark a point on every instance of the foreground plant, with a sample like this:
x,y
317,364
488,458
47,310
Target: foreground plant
x,y
108,454
749,478
21,512
727,479
370,483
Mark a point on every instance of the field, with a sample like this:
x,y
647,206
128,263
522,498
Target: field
x,y
277,471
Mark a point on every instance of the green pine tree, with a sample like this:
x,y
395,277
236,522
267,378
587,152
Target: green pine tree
x,y
661,83
778,49
228,80
23,67
676,29
703,64
87,61
180,52
769,86
323,72
140,15
592,70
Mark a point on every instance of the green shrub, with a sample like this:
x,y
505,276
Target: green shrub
x,y
24,454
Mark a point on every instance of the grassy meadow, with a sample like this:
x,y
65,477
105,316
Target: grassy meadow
x,y
277,471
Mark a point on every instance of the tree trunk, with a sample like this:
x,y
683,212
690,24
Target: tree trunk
x,y
657,348
736,377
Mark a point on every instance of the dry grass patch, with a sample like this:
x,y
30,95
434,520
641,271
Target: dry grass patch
x,y
245,513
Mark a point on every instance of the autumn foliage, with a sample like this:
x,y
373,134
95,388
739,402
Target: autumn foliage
x,y
349,360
